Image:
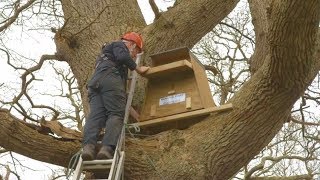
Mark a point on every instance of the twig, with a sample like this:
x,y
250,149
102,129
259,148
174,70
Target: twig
x,y
17,11
212,69
155,9
222,23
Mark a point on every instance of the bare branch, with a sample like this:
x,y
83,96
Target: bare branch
x,y
155,9
298,177
304,122
274,160
302,115
212,69
17,11
240,32
73,95
7,53
14,165
27,77
8,172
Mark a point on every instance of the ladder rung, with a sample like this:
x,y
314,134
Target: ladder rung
x,y
97,166
104,161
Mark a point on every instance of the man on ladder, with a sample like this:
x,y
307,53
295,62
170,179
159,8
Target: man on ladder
x,y
107,95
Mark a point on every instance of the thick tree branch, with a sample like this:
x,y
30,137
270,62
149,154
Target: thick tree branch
x,y
185,30
298,59
258,11
267,116
19,138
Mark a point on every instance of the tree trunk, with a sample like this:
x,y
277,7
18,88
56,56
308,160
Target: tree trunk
x,y
220,145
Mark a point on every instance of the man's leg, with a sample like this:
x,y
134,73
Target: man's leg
x,y
115,103
114,126
93,123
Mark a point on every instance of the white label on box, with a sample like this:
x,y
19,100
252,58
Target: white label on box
x,y
176,98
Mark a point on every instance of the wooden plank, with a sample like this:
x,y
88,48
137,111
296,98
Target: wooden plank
x,y
171,92
166,69
184,115
188,103
159,88
202,81
169,56
153,110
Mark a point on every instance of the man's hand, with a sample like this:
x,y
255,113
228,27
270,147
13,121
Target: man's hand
x,y
134,114
142,69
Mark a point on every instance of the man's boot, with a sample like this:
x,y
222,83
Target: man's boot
x,y
88,152
106,152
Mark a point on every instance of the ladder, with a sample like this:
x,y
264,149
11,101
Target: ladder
x,y
113,168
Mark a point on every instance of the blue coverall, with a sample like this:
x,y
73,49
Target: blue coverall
x,y
107,95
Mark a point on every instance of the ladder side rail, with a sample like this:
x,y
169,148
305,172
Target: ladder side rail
x,y
126,117
113,166
127,113
131,92
78,170
119,172
128,105
129,101
120,141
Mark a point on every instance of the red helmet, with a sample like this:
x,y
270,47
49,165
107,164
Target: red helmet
x,y
135,37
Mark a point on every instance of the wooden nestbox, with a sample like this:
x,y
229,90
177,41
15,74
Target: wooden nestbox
x,y
177,83
177,88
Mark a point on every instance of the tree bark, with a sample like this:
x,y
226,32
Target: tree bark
x,y
259,12
298,177
220,145
17,137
